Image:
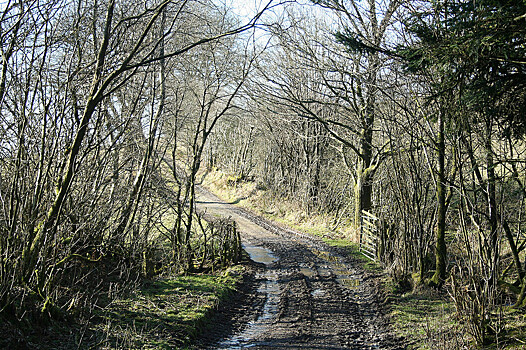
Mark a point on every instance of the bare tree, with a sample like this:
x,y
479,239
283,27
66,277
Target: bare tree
x,y
82,94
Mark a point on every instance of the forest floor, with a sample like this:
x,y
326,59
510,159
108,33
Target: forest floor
x,y
304,294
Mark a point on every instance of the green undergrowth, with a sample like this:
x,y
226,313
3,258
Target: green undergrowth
x,y
426,319
167,313
163,313
353,249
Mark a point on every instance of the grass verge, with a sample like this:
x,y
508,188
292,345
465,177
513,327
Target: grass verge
x,y
426,319
167,313
248,195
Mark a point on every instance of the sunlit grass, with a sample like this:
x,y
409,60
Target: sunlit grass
x,y
248,195
166,313
426,320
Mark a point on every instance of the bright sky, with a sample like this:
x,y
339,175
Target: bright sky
x,y
247,8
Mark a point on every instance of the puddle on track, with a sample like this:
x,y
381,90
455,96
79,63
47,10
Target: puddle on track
x,y
270,287
307,272
260,254
317,292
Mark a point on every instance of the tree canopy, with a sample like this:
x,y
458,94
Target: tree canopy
x,y
480,47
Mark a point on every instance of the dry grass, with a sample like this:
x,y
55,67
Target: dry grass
x,y
249,195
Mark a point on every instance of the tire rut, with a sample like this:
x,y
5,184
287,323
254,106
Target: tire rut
x,y
314,297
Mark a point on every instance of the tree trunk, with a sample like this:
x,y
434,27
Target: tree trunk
x,y
493,253
364,175
440,247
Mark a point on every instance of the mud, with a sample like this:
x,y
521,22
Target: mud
x,y
299,294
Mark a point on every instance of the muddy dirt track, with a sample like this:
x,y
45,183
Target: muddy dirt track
x,y
301,294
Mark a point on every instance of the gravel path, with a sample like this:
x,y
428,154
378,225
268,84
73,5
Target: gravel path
x,y
299,294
